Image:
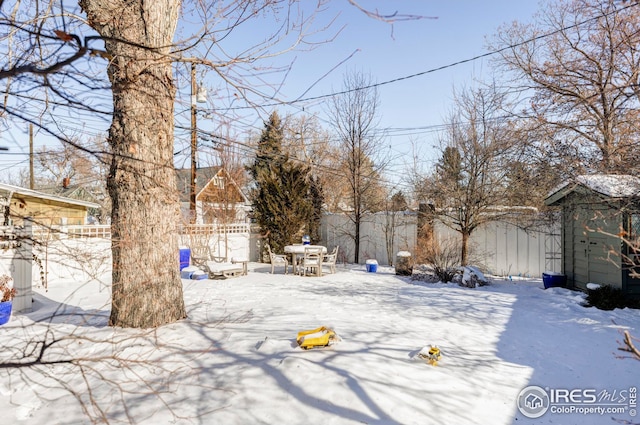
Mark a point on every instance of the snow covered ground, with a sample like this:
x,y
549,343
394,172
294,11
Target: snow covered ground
x,y
235,360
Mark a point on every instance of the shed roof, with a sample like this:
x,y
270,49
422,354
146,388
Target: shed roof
x,y
607,185
11,189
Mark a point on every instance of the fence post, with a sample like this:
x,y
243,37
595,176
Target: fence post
x,y
22,270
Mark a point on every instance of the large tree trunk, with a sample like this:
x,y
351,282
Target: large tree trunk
x,y
147,290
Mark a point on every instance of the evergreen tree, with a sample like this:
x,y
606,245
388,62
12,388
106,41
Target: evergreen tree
x,y
281,199
398,202
269,146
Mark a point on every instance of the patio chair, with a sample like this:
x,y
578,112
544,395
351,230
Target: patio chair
x,y
200,255
278,259
312,261
329,260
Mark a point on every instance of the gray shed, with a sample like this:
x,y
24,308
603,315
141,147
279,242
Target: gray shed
x,y
599,212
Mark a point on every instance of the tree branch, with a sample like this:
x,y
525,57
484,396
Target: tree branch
x,y
629,347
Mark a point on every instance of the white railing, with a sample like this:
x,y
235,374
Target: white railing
x,y
43,233
217,229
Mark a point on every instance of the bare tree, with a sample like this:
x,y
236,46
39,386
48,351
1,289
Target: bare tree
x,y
394,207
469,185
54,50
75,173
354,119
579,61
307,141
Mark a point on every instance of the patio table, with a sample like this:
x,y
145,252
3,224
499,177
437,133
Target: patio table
x,y
297,251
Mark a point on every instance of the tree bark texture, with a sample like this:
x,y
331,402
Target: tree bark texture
x,y
147,289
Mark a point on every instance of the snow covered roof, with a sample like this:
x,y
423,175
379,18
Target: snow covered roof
x,y
609,185
11,189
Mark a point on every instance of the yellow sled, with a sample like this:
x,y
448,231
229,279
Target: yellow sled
x,y
316,338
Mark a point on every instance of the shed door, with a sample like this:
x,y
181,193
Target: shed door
x,y
591,263
593,256
631,284
581,259
599,267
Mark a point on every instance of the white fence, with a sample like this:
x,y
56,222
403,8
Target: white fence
x,y
83,252
382,235
504,249
225,241
500,248
231,240
43,233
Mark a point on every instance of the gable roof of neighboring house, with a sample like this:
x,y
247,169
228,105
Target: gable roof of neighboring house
x,y
11,191
204,176
77,192
606,185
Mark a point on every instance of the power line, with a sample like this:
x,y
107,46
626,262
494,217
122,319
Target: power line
x,y
432,70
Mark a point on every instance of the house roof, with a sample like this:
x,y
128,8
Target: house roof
x,y
607,185
72,192
203,178
11,190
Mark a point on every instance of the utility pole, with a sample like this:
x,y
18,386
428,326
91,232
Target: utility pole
x,y
198,95
32,184
194,147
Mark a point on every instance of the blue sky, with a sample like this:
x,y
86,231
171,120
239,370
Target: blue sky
x,y
410,108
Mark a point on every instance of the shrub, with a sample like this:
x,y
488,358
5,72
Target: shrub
x,y
607,297
442,256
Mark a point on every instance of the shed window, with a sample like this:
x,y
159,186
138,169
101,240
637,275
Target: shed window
x,y
634,226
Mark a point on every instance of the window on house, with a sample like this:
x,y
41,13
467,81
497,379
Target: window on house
x,y
218,182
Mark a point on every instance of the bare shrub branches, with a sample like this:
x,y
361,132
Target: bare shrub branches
x,y
629,345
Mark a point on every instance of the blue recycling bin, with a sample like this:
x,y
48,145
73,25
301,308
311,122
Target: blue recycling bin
x,y
372,266
185,257
554,280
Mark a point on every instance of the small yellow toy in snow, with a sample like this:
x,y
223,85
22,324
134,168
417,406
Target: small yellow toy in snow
x,y
316,338
431,354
